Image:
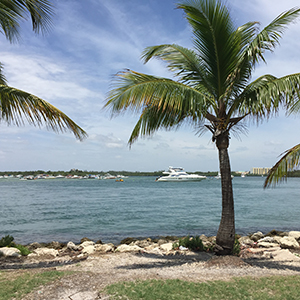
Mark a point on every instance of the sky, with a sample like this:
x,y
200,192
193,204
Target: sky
x,y
73,68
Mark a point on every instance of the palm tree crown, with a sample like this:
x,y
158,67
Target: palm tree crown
x,y
213,89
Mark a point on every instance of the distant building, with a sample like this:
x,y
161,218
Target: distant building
x,y
260,171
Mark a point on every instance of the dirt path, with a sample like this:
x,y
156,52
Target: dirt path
x,y
92,274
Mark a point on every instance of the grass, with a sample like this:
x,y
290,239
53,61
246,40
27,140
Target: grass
x,y
15,286
264,288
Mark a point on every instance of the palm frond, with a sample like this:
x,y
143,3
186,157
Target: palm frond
x,y
269,37
41,13
263,97
17,105
161,101
184,62
14,11
137,90
289,161
2,77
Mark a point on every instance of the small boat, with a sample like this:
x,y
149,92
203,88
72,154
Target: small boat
x,y
219,176
178,174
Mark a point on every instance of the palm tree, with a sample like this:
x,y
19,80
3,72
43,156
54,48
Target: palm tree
x,y
17,105
213,89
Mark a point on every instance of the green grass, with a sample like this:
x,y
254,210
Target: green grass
x,y
264,288
15,286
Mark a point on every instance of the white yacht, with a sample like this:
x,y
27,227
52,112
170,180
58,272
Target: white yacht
x,y
178,174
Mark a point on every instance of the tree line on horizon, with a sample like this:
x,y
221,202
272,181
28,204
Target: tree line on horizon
x,y
295,173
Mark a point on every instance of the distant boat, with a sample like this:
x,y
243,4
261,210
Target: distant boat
x,y
178,174
109,176
219,176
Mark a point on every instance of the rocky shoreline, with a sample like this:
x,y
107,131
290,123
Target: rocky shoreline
x,y
95,265
283,245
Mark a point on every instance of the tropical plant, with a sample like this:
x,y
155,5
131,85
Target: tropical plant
x,y
289,161
193,243
17,105
213,89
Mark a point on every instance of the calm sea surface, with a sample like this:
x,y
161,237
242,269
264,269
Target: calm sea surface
x,y
68,209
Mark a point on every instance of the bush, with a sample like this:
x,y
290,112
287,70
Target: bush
x,y
24,250
7,241
192,243
236,246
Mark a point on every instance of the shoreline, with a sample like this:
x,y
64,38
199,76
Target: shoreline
x,y
117,240
129,239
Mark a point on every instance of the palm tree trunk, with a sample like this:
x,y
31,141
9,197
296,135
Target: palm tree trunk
x,y
226,233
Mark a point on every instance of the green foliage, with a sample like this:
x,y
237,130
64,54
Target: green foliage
x,y
6,241
236,247
192,243
275,287
24,250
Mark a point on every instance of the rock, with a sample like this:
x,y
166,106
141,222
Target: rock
x,y
288,242
284,255
45,251
55,245
85,239
267,245
267,239
87,243
88,249
72,246
166,247
277,239
275,232
128,240
105,248
142,243
256,236
34,246
99,242
151,247
246,241
127,248
295,234
10,252
162,241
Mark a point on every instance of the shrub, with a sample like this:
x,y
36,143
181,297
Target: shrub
x,y
236,246
6,241
192,243
24,250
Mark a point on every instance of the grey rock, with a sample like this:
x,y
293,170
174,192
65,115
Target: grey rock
x,y
295,234
289,242
256,236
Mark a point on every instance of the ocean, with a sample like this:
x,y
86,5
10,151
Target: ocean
x,y
65,210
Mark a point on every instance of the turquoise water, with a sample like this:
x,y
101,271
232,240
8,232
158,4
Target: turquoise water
x,y
69,209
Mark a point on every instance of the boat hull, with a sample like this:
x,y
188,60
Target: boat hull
x,y
167,178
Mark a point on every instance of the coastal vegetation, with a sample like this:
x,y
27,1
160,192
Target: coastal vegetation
x,y
283,168
17,105
214,89
295,173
